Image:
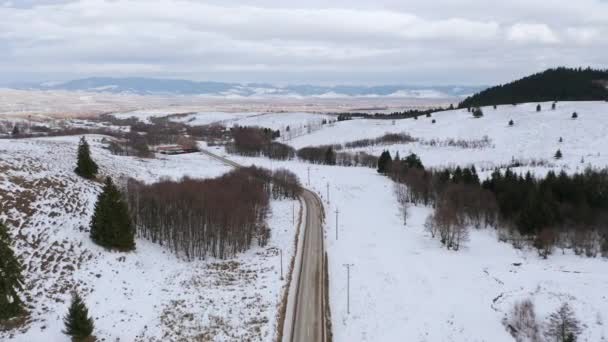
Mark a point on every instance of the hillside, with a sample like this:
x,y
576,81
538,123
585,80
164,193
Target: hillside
x,y
404,285
145,295
560,84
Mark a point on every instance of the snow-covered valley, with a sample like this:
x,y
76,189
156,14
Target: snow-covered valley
x,y
404,285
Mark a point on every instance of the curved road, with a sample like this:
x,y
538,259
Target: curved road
x,y
309,307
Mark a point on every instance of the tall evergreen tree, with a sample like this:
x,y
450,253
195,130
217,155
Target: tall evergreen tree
x,y
413,161
511,123
78,324
111,225
16,130
538,108
85,166
11,279
385,162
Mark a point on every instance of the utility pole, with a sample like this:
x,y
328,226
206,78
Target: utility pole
x,y
327,192
293,213
348,266
281,254
337,212
308,175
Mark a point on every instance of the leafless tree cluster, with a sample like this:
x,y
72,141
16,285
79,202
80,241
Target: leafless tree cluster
x,y
448,224
326,154
401,193
218,217
521,322
520,162
387,139
256,141
294,131
485,142
457,205
561,326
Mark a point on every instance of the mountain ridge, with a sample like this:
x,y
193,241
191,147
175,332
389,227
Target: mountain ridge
x,y
159,86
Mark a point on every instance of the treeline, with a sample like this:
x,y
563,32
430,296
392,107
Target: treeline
x,y
386,139
218,217
456,195
406,114
569,211
328,155
560,84
257,141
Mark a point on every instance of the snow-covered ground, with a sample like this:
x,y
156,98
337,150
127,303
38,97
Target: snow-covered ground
x,y
146,295
533,135
404,285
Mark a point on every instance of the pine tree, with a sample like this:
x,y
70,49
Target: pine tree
x,y
538,108
16,130
11,279
511,123
385,162
111,225
433,121
558,154
85,166
78,324
553,106
563,325
574,115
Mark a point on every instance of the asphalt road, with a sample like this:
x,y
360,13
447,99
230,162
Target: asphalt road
x,y
309,316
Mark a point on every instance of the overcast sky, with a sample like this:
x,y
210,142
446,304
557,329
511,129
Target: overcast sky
x,y
313,41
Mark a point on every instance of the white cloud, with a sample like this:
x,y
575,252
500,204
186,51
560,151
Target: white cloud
x,y
532,33
272,40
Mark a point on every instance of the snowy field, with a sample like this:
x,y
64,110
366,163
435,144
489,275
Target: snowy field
x,y
404,285
146,295
533,135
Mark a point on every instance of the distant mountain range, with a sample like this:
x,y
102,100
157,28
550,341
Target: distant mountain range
x,y
154,86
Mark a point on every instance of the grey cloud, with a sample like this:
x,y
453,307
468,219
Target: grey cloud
x,y
444,41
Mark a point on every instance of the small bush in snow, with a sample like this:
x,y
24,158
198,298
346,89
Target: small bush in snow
x,y
511,123
477,113
574,115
